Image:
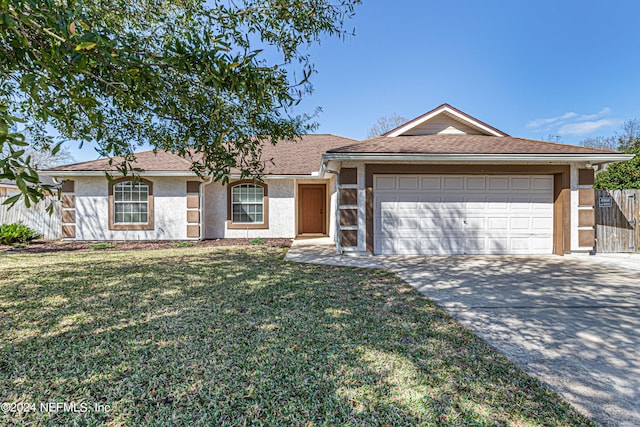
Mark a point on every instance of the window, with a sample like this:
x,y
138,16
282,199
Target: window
x,y
247,205
131,204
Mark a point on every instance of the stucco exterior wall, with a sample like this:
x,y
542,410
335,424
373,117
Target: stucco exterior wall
x,y
333,199
282,209
169,214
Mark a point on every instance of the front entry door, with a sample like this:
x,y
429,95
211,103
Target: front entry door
x,y
312,206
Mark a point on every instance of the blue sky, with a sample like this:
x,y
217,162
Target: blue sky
x,y
567,68
530,69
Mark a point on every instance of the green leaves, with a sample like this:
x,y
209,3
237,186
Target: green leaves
x,y
17,233
7,20
620,176
202,79
86,45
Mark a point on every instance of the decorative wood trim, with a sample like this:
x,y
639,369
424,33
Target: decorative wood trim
x,y
586,217
69,216
68,186
348,238
193,209
193,231
348,196
265,201
348,176
586,197
348,217
149,224
193,187
193,216
193,202
586,238
68,202
69,231
586,177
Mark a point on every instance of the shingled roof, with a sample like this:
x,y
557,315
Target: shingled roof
x,y
462,144
147,160
299,157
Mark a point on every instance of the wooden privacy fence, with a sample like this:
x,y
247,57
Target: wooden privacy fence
x,y
617,214
36,217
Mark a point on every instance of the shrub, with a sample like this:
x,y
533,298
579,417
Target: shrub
x,y
17,233
257,241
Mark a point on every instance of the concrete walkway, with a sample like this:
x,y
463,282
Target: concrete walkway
x,y
573,322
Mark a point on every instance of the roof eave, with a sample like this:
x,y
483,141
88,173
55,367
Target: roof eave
x,y
59,173
313,175
595,158
167,174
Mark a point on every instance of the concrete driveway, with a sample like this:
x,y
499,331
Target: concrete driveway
x,y
572,322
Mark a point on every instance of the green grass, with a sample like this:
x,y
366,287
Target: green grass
x,y
100,246
257,241
185,244
236,336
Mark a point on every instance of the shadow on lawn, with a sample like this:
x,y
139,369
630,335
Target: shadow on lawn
x,y
236,336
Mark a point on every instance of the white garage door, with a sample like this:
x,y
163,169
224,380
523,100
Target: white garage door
x,y
463,214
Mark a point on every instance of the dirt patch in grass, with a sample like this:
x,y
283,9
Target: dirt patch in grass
x,y
46,246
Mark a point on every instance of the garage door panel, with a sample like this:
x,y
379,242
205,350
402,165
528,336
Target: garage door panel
x,y
408,199
476,204
540,245
385,246
518,225
407,245
497,223
520,183
427,200
451,203
519,243
407,223
453,183
498,245
444,224
476,183
443,245
408,183
431,183
498,183
542,225
428,214
476,245
543,184
385,183
541,202
429,209
475,224
520,204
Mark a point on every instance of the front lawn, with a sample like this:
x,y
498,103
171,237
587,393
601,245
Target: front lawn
x,y
237,336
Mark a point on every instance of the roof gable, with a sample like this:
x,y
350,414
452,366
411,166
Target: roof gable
x,y
445,119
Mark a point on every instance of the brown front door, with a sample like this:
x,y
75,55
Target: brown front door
x,y
312,209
